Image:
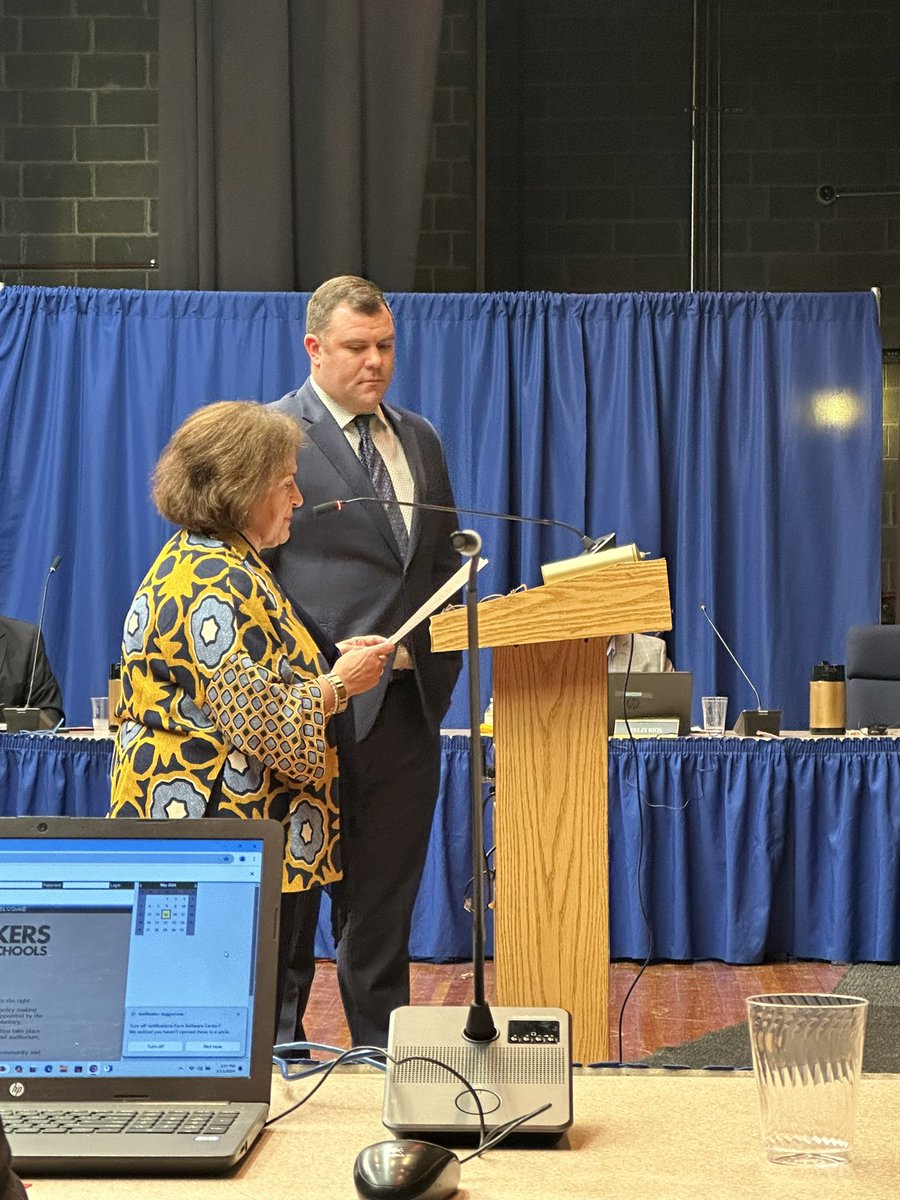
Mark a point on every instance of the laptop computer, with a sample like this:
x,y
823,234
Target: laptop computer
x,y
137,991
650,695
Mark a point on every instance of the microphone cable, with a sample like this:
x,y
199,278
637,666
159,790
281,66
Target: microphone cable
x,y
640,883
367,1055
635,762
488,872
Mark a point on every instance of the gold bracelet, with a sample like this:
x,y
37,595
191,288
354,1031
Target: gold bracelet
x,y
341,699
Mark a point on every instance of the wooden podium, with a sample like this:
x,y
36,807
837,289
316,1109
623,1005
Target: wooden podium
x,y
551,915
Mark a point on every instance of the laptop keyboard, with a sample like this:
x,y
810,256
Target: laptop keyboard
x,y
192,1121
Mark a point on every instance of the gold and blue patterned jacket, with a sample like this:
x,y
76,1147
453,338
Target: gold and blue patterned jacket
x,y
220,710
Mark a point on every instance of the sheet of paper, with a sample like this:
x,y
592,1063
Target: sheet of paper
x,y
456,581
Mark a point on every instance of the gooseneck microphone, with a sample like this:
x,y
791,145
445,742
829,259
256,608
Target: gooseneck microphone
x,y
520,1056
750,722
27,719
40,626
714,627
480,1025
590,545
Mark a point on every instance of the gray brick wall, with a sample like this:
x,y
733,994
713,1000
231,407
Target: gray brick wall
x,y
818,103
446,255
589,135
588,151
589,157
78,170
78,158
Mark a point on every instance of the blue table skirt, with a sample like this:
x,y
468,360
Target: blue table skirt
x,y
751,849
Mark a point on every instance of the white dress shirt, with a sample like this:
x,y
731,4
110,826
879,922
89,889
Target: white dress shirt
x,y
391,450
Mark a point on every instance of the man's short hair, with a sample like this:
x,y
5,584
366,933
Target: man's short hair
x,y
361,295
220,462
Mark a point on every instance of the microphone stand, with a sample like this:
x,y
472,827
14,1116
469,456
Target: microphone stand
x,y
499,1055
27,719
480,1025
751,722
589,545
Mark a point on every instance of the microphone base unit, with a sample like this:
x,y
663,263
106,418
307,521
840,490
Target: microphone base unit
x,y
27,720
527,1065
755,721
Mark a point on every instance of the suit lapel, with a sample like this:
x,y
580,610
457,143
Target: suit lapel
x,y
322,429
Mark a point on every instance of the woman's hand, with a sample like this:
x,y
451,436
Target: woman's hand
x,y
362,662
368,639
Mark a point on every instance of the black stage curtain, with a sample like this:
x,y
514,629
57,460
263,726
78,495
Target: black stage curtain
x,y
293,140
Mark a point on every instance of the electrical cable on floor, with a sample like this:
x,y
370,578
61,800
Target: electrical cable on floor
x,y
640,888
640,881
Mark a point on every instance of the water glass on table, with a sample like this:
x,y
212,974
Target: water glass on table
x,y
807,1058
714,709
100,715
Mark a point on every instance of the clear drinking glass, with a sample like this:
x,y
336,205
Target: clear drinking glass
x,y
714,709
807,1059
100,714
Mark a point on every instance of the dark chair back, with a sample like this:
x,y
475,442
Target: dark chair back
x,y
873,676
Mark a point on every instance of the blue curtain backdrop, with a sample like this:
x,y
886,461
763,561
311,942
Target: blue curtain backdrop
x,y
794,838
739,435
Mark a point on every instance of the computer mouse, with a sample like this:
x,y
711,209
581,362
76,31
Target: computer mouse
x,y
406,1169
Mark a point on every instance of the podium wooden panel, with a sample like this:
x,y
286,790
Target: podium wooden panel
x,y
551,916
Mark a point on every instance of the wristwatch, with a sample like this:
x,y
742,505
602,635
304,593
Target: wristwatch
x,y
340,691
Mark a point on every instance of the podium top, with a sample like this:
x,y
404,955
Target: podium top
x,y
622,598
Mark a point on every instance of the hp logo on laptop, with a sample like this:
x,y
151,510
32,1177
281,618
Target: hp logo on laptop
x,y
17,1089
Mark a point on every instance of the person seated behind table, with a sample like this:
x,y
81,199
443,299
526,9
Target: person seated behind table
x,y
19,643
10,1186
649,653
229,691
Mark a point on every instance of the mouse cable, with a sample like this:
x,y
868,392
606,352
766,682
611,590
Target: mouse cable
x,y
310,1066
505,1130
360,1053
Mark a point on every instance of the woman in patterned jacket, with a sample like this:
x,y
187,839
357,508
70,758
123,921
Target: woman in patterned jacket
x,y
227,692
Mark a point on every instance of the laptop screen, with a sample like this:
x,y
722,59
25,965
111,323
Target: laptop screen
x,y
650,695
128,955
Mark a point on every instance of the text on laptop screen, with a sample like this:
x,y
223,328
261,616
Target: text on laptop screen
x,y
125,956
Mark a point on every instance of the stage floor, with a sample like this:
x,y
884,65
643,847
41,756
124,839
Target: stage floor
x,y
672,1003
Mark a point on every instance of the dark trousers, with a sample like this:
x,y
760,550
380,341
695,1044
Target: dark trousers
x,y
384,843
296,957
296,962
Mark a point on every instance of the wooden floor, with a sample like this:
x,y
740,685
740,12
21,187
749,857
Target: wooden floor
x,y
672,1003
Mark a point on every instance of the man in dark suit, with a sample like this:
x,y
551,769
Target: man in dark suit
x,y
19,643
362,570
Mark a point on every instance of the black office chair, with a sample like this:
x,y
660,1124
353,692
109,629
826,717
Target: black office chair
x,y
873,676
